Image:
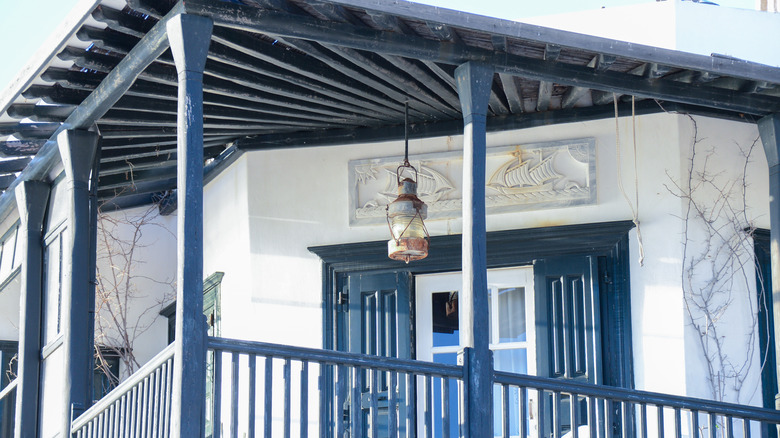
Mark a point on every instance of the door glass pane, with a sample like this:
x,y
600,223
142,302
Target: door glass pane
x,y
444,315
511,314
512,361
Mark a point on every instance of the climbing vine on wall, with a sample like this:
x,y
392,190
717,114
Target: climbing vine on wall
x,y
128,300
718,268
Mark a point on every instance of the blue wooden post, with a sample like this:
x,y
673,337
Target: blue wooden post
x,y
189,37
474,83
769,129
31,200
77,150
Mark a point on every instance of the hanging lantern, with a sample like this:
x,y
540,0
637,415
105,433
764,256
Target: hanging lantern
x,y
405,216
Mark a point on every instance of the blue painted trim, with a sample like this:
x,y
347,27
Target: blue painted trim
x,y
766,323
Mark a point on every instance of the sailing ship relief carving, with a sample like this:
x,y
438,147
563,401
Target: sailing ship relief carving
x,y
521,177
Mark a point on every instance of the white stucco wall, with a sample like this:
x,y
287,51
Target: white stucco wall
x,y
298,198
152,281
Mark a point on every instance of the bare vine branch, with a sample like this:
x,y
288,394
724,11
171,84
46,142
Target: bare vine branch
x,y
122,310
717,257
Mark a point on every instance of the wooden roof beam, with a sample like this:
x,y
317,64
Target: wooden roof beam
x,y
302,65
14,165
406,73
41,113
124,117
421,99
513,93
21,148
223,57
389,22
122,22
241,17
223,79
574,94
551,53
157,97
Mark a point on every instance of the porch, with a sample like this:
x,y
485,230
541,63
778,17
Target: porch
x,y
243,78
261,389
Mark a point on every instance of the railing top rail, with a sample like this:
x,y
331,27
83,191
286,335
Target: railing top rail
x,y
8,389
639,397
331,357
115,394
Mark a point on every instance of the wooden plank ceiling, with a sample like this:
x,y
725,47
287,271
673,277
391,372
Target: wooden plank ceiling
x,y
265,91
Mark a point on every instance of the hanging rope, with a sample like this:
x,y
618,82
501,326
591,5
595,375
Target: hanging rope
x,y
406,132
634,212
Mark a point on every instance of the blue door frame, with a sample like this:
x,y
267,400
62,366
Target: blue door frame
x,y
606,243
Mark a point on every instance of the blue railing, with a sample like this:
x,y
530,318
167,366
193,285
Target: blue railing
x,y
260,389
138,407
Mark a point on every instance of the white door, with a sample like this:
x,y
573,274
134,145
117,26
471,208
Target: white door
x,y
511,338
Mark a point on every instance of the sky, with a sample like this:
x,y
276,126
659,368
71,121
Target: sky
x,y
16,51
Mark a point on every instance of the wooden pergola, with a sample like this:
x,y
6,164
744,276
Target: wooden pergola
x,y
166,91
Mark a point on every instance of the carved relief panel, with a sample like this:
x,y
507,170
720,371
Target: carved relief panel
x,y
519,178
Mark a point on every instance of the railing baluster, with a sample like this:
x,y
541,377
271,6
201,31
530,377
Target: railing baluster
x,y
504,411
287,396
428,407
342,375
677,423
120,419
746,428
304,427
660,421
144,408
110,428
120,414
592,423
216,395
445,408
523,395
99,426
132,412
625,423
609,418
356,413
373,386
574,415
169,396
392,405
729,425
556,414
234,395
269,382
695,424
713,420
252,395
411,405
149,383
540,411
156,407
643,421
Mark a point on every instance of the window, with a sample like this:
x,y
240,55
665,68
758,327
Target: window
x,y
52,286
105,378
511,336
